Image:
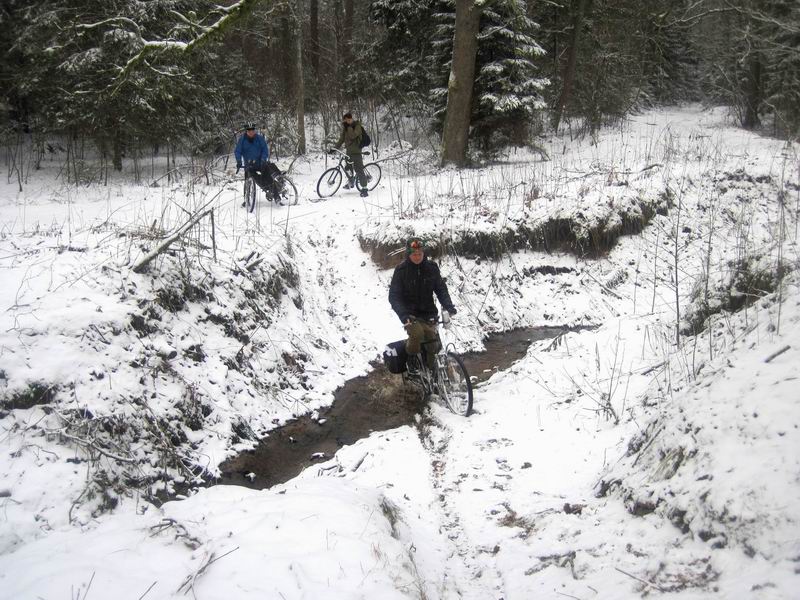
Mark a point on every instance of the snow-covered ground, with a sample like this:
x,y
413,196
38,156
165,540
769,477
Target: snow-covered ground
x,y
631,459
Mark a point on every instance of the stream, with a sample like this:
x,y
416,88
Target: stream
x,y
377,401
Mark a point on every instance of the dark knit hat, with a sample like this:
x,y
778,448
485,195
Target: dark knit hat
x,y
347,116
413,244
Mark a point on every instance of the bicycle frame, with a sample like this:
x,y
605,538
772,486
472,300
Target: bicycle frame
x,y
331,179
282,189
424,377
345,164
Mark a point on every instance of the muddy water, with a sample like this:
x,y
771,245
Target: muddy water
x,y
375,402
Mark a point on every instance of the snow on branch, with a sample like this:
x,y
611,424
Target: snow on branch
x,y
202,33
697,11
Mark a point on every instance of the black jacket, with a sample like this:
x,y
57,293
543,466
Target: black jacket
x,y
412,289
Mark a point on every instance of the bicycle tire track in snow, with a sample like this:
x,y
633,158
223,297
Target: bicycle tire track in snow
x,y
470,571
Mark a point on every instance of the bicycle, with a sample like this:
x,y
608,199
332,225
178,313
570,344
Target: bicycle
x,y
284,191
448,378
330,181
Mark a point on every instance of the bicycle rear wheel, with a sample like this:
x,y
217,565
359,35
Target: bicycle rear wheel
x,y
329,182
250,192
287,191
454,384
372,171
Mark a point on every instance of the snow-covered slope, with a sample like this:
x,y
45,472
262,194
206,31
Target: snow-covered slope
x,y
656,453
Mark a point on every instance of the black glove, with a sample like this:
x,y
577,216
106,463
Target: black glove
x,y
331,150
452,310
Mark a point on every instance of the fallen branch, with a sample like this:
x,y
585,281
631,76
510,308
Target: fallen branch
x,y
148,590
605,288
647,445
776,354
652,368
93,444
191,579
167,242
644,581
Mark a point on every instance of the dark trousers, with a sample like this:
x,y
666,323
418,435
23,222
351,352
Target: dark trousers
x,y
358,165
262,177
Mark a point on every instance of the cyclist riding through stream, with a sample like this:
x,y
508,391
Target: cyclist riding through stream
x,y
414,282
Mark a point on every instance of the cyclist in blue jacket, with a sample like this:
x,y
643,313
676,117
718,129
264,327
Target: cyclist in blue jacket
x,y
252,153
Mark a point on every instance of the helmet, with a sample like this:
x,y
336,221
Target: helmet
x,y
250,125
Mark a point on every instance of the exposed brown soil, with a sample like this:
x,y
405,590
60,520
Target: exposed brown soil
x,y
552,235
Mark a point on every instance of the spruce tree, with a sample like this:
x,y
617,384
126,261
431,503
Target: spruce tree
x,y
508,87
507,92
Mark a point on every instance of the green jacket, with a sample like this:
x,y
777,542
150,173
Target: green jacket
x,y
351,138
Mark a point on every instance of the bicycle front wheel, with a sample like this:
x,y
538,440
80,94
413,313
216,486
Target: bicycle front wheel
x,y
372,171
329,183
455,386
250,192
288,191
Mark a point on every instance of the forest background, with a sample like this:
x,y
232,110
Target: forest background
x,y
137,79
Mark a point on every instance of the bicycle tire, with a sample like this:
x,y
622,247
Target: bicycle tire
x,y
250,193
455,385
329,182
373,174
287,196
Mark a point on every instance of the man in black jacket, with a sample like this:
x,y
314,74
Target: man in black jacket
x,y
414,283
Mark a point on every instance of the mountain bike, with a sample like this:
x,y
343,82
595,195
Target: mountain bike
x,y
448,378
284,191
330,181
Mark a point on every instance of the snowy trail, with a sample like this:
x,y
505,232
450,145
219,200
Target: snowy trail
x,y
539,494
470,569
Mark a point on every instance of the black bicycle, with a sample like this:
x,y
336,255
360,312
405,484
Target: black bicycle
x,y
284,191
331,180
447,378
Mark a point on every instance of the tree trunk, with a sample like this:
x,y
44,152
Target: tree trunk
x,y
287,51
313,40
299,83
462,80
348,31
339,51
117,157
580,7
752,92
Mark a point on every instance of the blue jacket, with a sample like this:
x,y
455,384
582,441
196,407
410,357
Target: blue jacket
x,y
254,150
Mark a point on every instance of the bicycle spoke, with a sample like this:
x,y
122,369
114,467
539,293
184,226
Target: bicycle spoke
x,y
454,384
329,182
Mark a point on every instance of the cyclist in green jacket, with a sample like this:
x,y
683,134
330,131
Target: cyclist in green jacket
x,y
351,136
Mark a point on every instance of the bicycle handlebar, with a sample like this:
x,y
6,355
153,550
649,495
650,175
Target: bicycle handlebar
x,y
343,154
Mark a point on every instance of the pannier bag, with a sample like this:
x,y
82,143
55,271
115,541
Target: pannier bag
x,y
273,169
394,357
